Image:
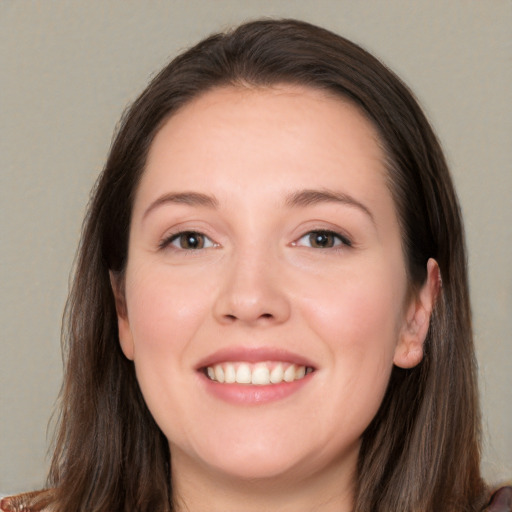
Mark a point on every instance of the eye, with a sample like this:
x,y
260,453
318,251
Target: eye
x,y
323,239
188,241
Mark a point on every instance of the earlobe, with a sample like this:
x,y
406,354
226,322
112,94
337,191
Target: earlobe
x,y
409,350
123,325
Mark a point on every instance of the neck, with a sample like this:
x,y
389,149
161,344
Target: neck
x,y
196,489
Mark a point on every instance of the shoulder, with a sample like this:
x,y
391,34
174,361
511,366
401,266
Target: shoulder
x,y
501,500
39,501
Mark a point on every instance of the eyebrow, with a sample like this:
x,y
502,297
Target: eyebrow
x,y
301,198
311,197
189,198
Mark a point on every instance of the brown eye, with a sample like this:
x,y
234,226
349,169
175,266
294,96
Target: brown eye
x,y
322,239
190,240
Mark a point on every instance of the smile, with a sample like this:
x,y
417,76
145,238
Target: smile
x,y
256,374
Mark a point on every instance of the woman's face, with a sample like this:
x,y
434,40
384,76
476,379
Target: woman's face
x,y
265,289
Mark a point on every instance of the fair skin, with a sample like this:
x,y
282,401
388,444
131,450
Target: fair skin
x,y
263,236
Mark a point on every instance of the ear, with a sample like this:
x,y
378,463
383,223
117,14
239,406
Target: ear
x,y
123,325
409,350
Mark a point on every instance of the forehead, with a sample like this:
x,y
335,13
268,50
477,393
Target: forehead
x,y
255,137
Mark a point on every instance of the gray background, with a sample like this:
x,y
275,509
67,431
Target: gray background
x,y
69,68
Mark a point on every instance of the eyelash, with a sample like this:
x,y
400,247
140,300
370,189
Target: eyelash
x,y
338,240
166,242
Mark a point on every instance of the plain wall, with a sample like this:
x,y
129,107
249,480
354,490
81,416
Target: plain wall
x,y
67,71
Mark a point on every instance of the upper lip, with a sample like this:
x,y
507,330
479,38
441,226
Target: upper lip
x,y
253,355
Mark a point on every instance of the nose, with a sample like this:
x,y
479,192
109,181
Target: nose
x,y
252,291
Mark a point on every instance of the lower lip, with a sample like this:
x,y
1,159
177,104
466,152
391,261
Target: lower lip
x,y
247,394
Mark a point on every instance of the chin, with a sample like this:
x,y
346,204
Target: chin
x,y
269,459
258,468
247,459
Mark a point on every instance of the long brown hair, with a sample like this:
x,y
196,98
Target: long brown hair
x,y
421,451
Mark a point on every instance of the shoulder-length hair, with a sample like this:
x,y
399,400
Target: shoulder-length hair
x,y
421,451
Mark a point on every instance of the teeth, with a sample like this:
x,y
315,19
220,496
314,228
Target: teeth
x,y
289,374
300,372
229,374
259,374
219,373
277,373
243,374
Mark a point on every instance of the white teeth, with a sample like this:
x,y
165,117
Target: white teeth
x,y
229,373
259,374
219,373
289,374
243,374
277,373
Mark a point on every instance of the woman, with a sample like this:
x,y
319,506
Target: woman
x,y
270,308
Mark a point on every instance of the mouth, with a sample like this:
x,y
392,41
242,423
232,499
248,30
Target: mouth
x,y
263,373
254,375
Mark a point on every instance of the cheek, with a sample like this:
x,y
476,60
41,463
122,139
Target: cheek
x,y
165,311
358,316
360,310
165,308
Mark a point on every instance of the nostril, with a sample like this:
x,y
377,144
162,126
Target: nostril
x,y
232,318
